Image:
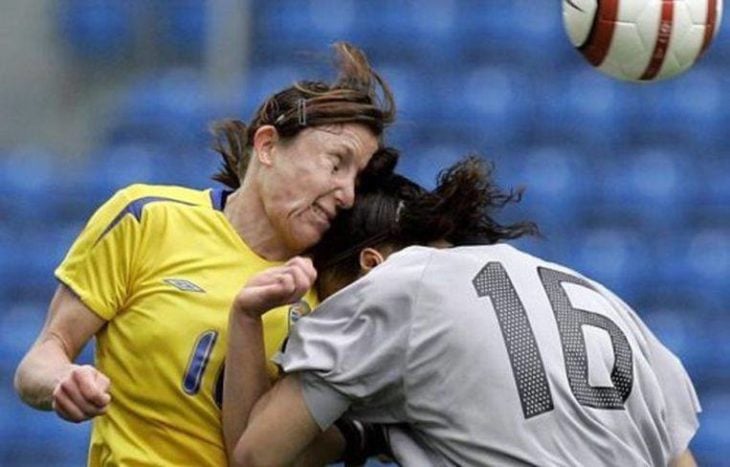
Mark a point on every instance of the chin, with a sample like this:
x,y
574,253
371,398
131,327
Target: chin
x,y
305,239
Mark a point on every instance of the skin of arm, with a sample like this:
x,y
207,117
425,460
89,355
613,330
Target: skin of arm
x,y
47,378
684,460
280,430
264,425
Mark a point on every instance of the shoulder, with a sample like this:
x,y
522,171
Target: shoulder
x,y
138,198
141,193
133,201
394,283
402,272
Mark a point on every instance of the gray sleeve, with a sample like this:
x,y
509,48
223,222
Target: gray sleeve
x,y
682,404
679,393
325,403
354,346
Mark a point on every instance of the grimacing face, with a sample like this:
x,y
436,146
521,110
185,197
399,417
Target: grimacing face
x,y
312,177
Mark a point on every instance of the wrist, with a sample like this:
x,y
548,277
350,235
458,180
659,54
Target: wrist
x,y
246,316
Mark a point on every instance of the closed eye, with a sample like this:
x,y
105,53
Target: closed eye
x,y
336,162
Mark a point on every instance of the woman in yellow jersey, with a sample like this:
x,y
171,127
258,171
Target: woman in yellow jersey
x,y
154,272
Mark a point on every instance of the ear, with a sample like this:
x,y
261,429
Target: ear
x,y
369,258
264,141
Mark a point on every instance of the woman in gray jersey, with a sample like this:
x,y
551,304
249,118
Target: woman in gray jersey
x,y
471,355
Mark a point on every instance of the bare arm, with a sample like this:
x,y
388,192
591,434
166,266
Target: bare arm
x,y
684,460
245,396
246,379
47,378
280,429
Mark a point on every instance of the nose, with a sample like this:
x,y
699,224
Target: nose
x,y
345,194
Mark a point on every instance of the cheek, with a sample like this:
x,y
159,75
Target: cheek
x,y
297,195
302,180
314,183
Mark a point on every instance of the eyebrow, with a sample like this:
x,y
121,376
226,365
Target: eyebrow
x,y
342,147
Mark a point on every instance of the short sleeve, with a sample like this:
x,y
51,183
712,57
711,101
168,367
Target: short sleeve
x,y
353,348
98,266
682,404
681,399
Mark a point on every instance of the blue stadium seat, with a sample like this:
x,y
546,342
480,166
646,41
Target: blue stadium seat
x,y
614,257
703,262
27,175
581,105
713,438
510,31
63,444
78,194
119,166
181,25
7,259
100,30
489,105
652,186
29,263
557,185
713,207
170,106
415,93
11,404
423,163
21,428
263,81
21,322
693,108
426,32
287,31
115,167
688,332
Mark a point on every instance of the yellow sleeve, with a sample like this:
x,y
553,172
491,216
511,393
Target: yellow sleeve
x,y
99,267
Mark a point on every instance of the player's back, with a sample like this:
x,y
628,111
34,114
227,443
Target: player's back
x,y
514,360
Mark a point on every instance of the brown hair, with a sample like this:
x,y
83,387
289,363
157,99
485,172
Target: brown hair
x,y
359,95
396,211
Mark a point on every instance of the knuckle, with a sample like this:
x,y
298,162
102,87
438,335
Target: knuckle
x,y
65,385
104,380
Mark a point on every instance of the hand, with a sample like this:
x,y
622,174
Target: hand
x,y
82,394
276,286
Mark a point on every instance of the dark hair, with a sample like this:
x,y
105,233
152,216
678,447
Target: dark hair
x,y
396,211
353,98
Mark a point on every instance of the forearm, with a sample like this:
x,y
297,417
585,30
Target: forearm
x,y
246,378
40,371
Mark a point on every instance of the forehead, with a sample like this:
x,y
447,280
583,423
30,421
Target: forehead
x,y
349,136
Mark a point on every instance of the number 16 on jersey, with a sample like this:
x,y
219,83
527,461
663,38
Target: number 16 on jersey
x,y
527,365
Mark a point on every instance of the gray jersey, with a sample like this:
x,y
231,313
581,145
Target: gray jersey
x,y
493,357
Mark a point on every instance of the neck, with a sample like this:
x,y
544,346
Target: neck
x,y
245,211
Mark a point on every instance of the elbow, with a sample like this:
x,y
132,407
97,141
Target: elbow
x,y
25,386
19,382
250,456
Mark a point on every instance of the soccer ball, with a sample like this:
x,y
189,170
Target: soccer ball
x,y
642,40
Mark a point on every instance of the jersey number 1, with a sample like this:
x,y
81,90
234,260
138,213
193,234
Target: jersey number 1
x,y
529,372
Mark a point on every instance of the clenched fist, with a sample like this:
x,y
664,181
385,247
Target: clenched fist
x,y
276,286
82,394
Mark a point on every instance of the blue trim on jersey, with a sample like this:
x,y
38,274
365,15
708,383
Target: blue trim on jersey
x,y
194,374
218,197
135,208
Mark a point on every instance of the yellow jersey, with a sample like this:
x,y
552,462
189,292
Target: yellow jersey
x,y
162,264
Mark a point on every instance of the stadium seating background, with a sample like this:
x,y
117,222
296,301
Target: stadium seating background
x,y
629,182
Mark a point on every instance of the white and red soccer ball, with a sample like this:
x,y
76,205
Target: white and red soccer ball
x,y
642,40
